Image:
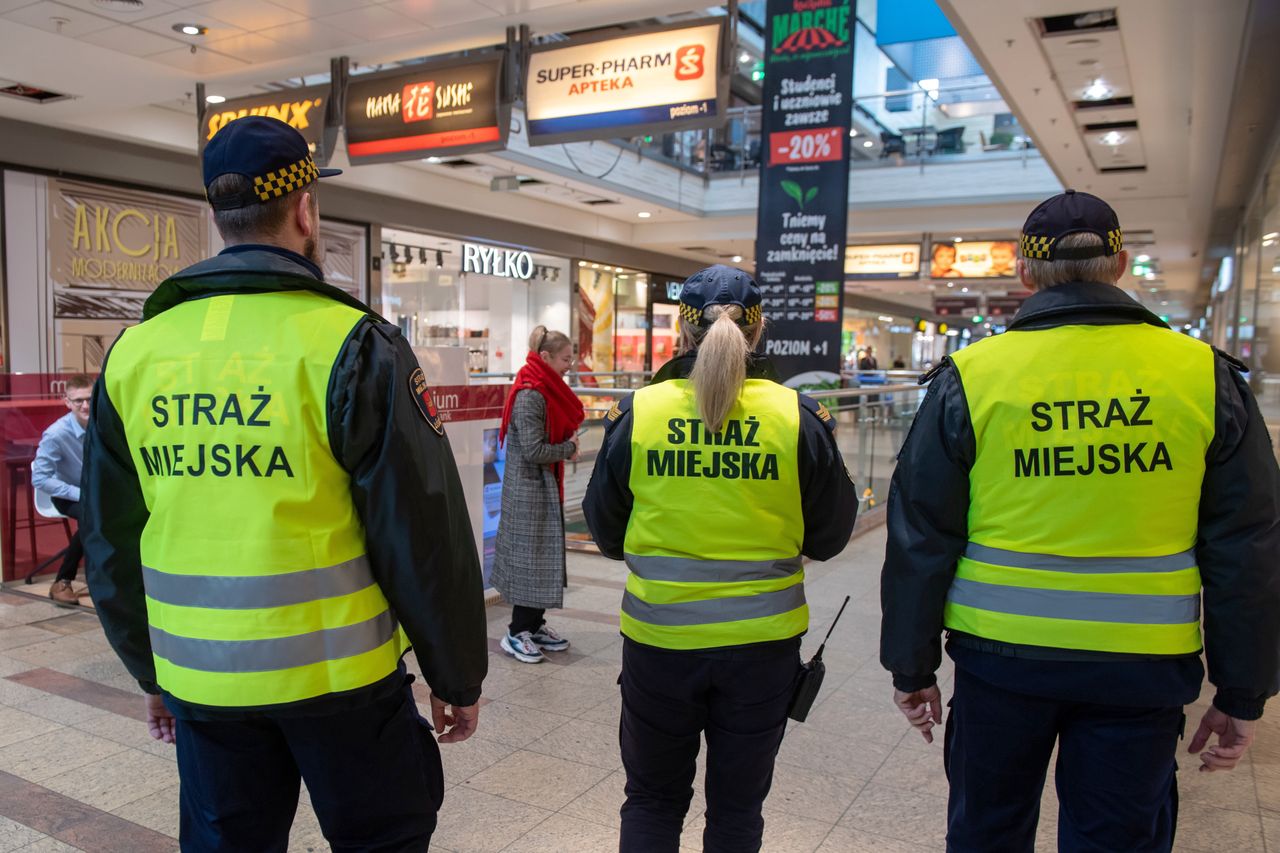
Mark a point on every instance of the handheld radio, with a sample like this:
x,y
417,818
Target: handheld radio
x,y
811,676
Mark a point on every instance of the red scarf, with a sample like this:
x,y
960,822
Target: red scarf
x,y
564,410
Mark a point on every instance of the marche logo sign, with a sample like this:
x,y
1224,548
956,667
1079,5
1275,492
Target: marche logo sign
x,y
811,26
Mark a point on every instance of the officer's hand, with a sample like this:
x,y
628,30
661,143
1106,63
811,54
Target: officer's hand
x,y
160,722
923,709
454,723
1234,737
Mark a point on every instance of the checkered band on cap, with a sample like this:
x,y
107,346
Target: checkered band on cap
x,y
1037,248
1115,241
750,316
753,315
690,314
284,181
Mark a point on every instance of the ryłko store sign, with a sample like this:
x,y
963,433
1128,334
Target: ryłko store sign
x,y
432,109
304,109
502,263
654,80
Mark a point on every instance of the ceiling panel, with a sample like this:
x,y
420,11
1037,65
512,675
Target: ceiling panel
x,y
249,15
200,62
252,47
309,37
10,5
515,7
440,13
150,9
75,22
320,8
370,23
131,40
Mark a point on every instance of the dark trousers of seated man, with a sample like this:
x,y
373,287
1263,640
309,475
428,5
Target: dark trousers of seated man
x,y
75,551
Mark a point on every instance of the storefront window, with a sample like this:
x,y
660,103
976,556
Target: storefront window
x,y
880,339
481,298
624,326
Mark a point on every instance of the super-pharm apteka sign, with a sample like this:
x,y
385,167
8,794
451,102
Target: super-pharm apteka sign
x,y
650,80
432,109
305,110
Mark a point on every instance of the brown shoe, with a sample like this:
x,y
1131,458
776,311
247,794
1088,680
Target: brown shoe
x,y
62,593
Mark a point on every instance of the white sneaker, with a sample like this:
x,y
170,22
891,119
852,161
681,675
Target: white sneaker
x,y
548,640
522,647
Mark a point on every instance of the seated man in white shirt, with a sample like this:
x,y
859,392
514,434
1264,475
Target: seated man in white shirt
x,y
56,472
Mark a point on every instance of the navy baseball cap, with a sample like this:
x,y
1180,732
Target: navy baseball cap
x,y
720,285
1071,212
270,153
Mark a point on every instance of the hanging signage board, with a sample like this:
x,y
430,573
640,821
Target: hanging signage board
x,y
804,181
900,260
1006,306
649,81
974,259
433,109
303,109
956,306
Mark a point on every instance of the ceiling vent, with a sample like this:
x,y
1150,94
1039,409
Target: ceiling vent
x,y
120,5
1081,22
699,249
461,163
596,202
31,94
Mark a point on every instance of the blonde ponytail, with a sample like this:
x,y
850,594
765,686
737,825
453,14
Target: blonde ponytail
x,y
542,339
721,366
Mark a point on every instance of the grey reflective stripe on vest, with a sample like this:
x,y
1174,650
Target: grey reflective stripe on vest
x,y
1052,563
275,654
226,592
1074,604
686,570
712,610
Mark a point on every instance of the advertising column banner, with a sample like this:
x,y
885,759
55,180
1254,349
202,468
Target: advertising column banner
x,y
804,183
433,109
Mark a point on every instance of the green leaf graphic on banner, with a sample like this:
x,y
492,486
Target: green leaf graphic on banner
x,y
794,190
808,197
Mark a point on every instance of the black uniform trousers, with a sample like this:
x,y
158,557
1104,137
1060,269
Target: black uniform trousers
x,y
738,698
1115,774
373,774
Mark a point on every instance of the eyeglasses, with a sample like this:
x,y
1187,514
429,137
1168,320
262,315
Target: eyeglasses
x,y
78,401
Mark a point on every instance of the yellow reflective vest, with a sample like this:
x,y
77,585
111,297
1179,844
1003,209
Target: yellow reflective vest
x,y
257,585
714,538
1085,489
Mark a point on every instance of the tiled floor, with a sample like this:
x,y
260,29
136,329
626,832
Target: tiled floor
x,y
77,770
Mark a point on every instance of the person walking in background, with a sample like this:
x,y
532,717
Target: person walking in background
x,y
56,472
540,427
1070,492
272,515
712,484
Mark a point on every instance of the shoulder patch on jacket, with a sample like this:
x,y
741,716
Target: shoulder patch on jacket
x,y
619,408
819,411
422,396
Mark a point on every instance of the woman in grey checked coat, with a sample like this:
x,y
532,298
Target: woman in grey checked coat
x,y
540,426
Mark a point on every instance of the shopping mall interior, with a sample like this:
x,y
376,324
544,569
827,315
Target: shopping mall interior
x,y
508,164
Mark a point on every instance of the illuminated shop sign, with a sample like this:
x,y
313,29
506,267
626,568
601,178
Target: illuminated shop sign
x,y
304,110
432,109
653,81
899,260
503,263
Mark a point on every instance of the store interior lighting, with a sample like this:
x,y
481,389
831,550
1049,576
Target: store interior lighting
x,y
215,99
644,214
1098,90
190,29
439,259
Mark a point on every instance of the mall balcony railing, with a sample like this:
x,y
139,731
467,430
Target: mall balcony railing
x,y
871,425
912,127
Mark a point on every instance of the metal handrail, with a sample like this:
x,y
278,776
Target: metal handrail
x,y
824,393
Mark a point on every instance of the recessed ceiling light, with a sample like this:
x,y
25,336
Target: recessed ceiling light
x,y
745,57
853,131
190,29
644,214
737,259
215,99
1271,236
1142,259
433,159
867,144
1112,137
582,263
957,239
1098,90
1150,276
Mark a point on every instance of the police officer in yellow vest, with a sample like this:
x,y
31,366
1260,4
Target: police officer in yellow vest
x,y
1072,492
712,484
272,516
